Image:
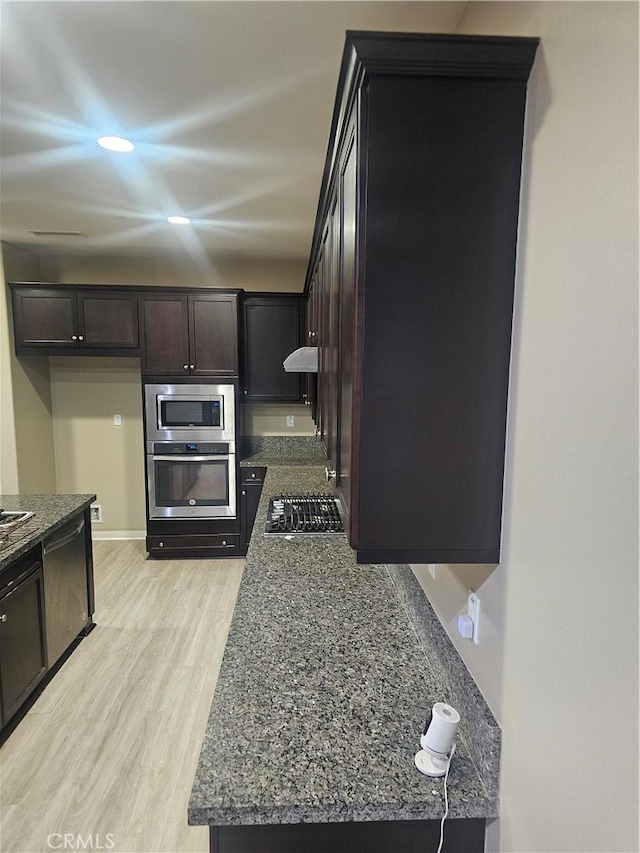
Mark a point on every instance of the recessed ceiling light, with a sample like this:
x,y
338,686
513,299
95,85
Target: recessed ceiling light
x,y
115,143
178,220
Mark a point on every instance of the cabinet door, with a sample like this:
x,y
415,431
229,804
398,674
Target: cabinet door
x,y
311,379
108,321
213,332
330,370
347,320
271,332
165,334
23,659
45,318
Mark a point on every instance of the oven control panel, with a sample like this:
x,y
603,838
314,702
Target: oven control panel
x,y
184,448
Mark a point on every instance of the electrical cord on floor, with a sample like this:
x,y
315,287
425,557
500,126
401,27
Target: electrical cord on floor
x,y
446,799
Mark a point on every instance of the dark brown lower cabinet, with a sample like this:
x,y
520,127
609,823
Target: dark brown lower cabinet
x,y
23,654
251,482
401,836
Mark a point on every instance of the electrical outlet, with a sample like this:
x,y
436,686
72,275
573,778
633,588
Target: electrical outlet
x,y
290,420
96,513
433,571
117,420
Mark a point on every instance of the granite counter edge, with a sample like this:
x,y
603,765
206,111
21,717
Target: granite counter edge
x,y
32,539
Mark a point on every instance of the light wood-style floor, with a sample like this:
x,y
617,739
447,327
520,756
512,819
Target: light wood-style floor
x,y
109,750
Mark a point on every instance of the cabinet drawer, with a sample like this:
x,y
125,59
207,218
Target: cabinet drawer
x,y
252,475
168,544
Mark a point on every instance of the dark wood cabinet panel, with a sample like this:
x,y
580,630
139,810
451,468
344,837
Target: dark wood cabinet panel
x,y
176,333
74,321
165,334
347,455
213,333
45,318
23,658
463,835
251,482
109,321
271,331
424,156
311,379
188,334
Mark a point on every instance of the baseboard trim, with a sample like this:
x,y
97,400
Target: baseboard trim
x,y
97,535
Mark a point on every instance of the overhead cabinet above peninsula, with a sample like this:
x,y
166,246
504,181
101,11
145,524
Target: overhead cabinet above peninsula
x,y
411,286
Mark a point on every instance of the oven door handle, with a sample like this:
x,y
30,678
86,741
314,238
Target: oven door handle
x,y
177,458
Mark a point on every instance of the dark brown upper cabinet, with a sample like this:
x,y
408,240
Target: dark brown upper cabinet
x,y
272,329
413,264
87,320
189,334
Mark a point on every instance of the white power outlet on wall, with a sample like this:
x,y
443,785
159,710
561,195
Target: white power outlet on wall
x,y
290,420
96,513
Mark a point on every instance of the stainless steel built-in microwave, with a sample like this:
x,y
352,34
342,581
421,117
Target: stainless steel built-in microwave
x,y
189,413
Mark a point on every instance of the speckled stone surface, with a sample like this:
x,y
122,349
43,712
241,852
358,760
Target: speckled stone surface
x,y
51,512
281,449
326,680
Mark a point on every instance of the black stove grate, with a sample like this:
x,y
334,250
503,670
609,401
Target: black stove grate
x,y
303,514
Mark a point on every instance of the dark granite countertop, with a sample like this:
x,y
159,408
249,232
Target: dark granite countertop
x,y
329,671
50,513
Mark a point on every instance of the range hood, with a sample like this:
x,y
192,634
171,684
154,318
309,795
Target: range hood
x,y
302,360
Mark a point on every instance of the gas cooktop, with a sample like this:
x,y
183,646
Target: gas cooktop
x,y
309,515
9,521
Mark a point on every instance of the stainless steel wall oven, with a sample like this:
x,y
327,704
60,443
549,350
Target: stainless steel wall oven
x,y
191,451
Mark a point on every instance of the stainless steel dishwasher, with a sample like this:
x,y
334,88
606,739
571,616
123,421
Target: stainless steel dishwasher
x,y
65,587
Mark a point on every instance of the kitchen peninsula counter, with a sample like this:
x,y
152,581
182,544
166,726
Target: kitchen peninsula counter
x,y
50,513
328,674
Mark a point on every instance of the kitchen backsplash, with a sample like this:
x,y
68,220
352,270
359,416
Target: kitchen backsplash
x,y
307,446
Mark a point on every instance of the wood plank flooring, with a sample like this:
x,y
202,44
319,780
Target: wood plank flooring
x,y
109,749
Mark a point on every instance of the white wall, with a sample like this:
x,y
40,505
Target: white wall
x,y
26,429
559,662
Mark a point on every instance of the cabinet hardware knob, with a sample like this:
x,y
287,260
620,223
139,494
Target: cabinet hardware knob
x,y
224,541
254,476
74,337
192,366
245,391
186,366
80,337
3,618
160,544
244,492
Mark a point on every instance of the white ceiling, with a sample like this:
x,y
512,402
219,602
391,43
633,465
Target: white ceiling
x,y
229,104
